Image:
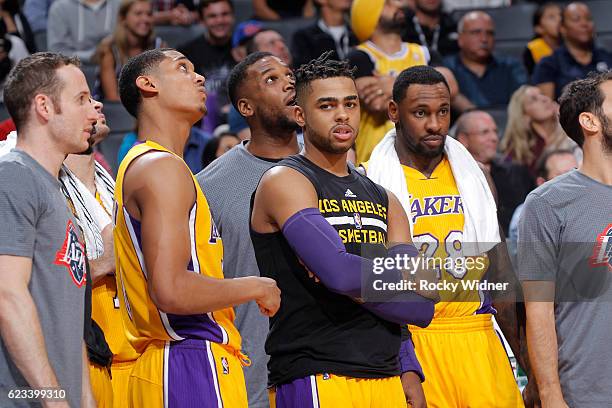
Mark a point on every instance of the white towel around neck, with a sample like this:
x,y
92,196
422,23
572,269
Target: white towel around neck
x,y
481,227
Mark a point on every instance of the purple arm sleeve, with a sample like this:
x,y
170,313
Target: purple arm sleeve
x,y
320,248
408,359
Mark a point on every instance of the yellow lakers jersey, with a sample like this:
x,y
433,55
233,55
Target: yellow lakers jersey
x,y
372,128
539,49
144,322
105,311
437,218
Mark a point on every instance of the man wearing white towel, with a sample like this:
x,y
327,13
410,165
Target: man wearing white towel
x,y
453,217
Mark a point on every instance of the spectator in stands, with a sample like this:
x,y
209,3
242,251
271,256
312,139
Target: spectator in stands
x,y
133,34
485,79
36,12
218,146
576,57
380,57
330,33
242,34
174,12
15,23
265,40
477,131
12,50
533,128
546,23
77,26
272,10
428,25
474,4
211,55
552,164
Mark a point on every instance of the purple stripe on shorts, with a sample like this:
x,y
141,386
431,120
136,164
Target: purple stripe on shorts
x,y
196,327
191,377
487,305
297,394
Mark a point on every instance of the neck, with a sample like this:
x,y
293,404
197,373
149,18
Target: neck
x,y
477,67
267,146
546,130
553,42
597,163
407,157
39,146
217,40
331,17
84,167
166,129
390,43
579,50
427,19
333,163
134,42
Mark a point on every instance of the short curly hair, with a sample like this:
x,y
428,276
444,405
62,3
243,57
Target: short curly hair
x,y
320,68
583,95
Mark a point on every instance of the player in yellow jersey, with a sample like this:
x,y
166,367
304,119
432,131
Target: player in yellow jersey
x,y
176,306
452,214
109,390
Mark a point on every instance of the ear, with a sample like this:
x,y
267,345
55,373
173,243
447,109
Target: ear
x,y
43,106
298,115
245,108
540,181
393,111
145,84
589,122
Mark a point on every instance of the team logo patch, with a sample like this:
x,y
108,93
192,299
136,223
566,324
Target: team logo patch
x,y
72,256
348,193
214,233
225,365
357,220
602,253
326,376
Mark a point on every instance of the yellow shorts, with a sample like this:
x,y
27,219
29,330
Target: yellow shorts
x,y
336,391
465,364
121,377
188,373
101,387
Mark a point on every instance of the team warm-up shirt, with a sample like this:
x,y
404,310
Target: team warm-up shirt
x,y
317,331
437,216
143,320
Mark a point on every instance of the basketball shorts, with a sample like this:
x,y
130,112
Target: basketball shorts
x,y
101,386
121,371
336,391
187,373
465,364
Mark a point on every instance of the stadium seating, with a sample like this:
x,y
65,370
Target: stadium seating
x,y
176,36
243,10
286,28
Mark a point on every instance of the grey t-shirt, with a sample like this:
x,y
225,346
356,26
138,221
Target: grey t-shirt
x,y
565,236
228,183
37,223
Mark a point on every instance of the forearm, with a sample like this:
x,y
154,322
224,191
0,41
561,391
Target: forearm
x,y
210,294
22,334
543,349
104,265
409,309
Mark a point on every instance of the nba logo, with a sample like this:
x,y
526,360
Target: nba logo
x,y
326,376
357,220
225,365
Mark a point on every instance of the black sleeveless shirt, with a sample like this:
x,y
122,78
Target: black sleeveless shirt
x,y
315,330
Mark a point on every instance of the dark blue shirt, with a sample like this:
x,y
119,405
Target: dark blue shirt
x,y
561,67
501,78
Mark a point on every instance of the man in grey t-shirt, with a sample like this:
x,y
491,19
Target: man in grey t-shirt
x,y
229,181
565,259
42,256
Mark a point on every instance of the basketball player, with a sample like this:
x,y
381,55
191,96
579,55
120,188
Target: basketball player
x,y
312,216
176,306
451,212
262,89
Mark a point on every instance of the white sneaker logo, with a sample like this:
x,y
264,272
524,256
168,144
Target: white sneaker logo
x,y
349,193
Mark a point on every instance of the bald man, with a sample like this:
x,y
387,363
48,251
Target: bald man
x,y
485,79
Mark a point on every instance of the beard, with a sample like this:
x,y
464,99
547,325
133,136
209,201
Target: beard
x,y
323,143
393,25
606,137
419,148
277,121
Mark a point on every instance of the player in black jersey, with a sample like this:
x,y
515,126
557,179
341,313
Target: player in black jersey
x,y
312,216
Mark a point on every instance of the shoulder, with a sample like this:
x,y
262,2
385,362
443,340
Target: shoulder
x,y
451,61
58,5
223,166
18,177
506,61
156,169
556,192
282,179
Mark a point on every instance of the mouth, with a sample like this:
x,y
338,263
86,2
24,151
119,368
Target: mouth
x,y
433,140
343,132
291,101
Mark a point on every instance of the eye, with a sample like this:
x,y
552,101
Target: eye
x,y
419,114
351,104
183,67
270,80
444,111
325,106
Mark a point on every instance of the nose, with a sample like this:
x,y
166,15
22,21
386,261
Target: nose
x,y
200,79
433,125
341,114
